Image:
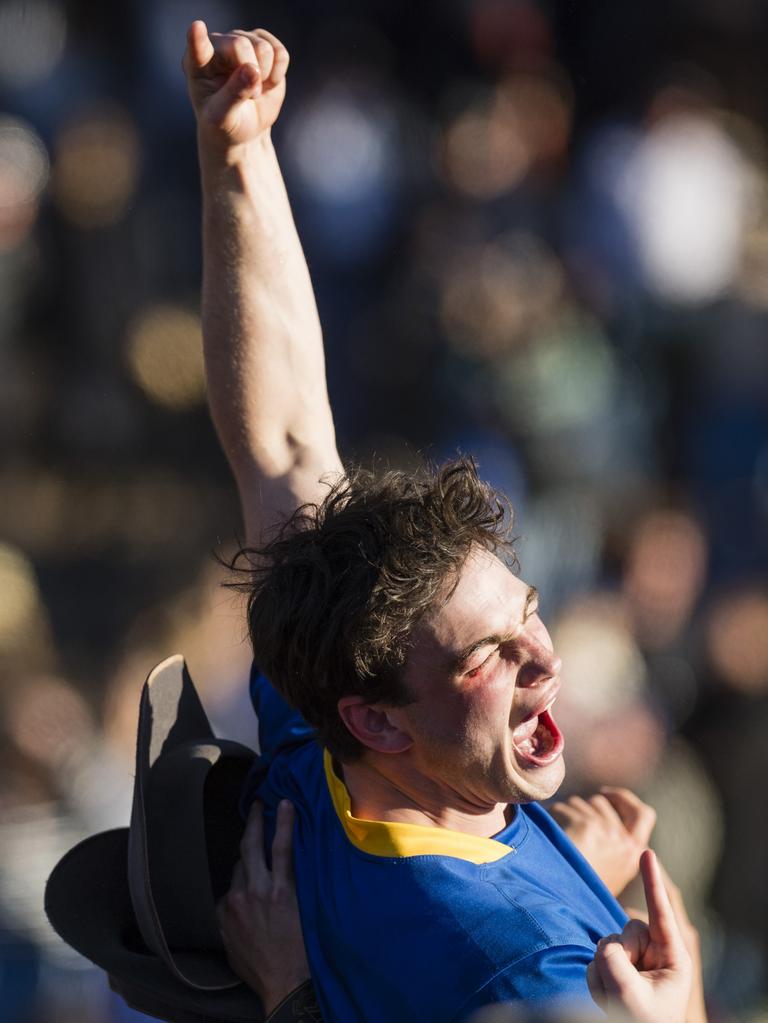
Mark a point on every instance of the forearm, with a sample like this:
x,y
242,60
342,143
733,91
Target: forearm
x,y
262,337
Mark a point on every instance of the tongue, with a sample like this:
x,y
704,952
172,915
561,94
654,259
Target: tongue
x,y
537,736
525,731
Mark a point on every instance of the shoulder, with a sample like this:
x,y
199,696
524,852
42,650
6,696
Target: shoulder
x,y
280,725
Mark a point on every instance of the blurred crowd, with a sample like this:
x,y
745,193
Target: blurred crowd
x,y
538,232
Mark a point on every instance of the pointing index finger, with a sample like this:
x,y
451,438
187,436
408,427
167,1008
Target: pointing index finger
x,y
662,924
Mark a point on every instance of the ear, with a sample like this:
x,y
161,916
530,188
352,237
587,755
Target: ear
x,y
371,725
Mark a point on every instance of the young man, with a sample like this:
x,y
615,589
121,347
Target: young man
x,y
430,883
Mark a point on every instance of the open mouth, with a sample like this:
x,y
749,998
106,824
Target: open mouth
x,y
538,741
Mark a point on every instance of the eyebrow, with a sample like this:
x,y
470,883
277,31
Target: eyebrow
x,y
530,607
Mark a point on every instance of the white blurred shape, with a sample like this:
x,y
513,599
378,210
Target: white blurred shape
x,y
24,172
685,192
32,37
24,163
340,145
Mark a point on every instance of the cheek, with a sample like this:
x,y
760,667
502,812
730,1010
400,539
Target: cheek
x,y
487,700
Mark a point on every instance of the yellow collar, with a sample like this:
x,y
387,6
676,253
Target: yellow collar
x,y
391,838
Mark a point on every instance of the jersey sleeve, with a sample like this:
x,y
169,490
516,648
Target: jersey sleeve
x,y
279,724
280,728
552,980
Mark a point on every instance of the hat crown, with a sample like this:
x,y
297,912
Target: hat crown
x,y
185,827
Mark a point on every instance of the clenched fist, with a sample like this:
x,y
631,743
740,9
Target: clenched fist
x,y
610,830
236,82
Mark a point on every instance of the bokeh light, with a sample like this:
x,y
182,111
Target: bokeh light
x,y
483,153
686,193
665,570
613,734
165,356
96,167
24,172
341,144
573,348
737,637
498,293
23,619
602,664
490,145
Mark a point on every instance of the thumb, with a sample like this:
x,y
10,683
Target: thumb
x,y
242,85
615,970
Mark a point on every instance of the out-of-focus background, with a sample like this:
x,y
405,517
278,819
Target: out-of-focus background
x,y
538,233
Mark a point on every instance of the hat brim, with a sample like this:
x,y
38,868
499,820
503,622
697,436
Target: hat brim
x,y
88,903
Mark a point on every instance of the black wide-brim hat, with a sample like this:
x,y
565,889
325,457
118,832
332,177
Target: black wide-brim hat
x,y
88,902
140,902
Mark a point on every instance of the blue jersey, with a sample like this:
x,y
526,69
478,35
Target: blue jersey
x,y
414,923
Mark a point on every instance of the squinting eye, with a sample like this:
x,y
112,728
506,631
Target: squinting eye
x,y
473,672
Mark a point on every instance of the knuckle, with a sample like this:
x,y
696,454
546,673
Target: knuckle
x,y
233,903
256,892
623,793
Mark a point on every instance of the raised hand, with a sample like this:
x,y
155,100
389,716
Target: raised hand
x,y
646,969
610,830
236,83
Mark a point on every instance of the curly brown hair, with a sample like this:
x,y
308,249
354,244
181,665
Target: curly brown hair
x,y
334,597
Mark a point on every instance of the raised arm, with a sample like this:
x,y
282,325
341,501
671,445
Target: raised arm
x,y
262,337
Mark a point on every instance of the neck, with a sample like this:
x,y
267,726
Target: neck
x,y
383,789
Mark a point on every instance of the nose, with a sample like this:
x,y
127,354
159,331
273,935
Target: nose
x,y
539,664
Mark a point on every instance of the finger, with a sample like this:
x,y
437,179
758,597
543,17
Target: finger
x,y
281,58
581,806
282,862
635,938
239,879
606,810
243,85
563,813
594,983
233,49
617,974
662,924
199,46
637,816
252,848
263,50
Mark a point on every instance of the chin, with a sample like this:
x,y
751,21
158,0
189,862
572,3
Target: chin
x,y
535,785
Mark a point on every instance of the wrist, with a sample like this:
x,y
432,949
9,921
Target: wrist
x,y
229,166
296,1005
